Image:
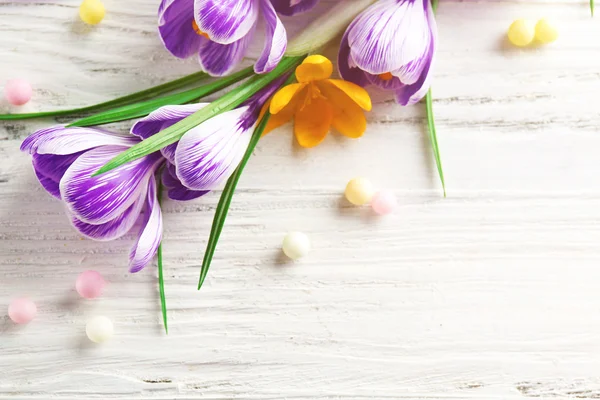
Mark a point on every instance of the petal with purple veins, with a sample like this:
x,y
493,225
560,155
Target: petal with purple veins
x,y
221,59
150,234
293,7
49,184
275,40
226,21
176,190
176,28
73,140
346,66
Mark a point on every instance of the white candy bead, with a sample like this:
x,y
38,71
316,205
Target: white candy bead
x,y
296,245
99,329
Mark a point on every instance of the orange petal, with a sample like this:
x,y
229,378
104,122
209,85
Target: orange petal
x,y
312,122
348,118
314,68
283,96
359,95
282,117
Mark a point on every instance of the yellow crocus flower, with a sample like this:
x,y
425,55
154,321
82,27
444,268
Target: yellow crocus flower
x,y
318,103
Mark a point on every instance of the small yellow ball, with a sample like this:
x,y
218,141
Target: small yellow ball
x,y
92,11
545,31
521,32
359,191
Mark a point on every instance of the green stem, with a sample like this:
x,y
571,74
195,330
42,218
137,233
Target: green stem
x,y
433,138
146,107
161,278
227,102
592,7
121,101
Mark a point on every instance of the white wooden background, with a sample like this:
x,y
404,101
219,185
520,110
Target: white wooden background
x,y
492,293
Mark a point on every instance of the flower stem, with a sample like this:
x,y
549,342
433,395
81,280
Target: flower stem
x,y
121,101
592,7
433,138
146,107
227,102
161,278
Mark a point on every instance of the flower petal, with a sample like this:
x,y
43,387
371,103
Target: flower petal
x,y
176,190
114,228
293,7
359,95
388,35
63,140
150,235
175,25
226,21
348,118
220,59
208,154
275,40
284,96
312,122
49,184
346,66
53,166
99,199
314,68
161,119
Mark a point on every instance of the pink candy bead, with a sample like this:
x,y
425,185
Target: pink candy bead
x,y
17,91
22,310
90,284
384,202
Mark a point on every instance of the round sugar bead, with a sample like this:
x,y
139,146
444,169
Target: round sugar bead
x,y
18,91
384,202
92,11
296,245
99,329
521,32
22,310
89,284
359,191
545,31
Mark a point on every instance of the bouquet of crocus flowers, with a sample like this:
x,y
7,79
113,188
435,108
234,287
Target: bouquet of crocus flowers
x,y
183,148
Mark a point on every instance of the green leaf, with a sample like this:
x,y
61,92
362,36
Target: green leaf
x,y
434,5
433,138
121,101
592,7
144,108
161,278
225,200
227,102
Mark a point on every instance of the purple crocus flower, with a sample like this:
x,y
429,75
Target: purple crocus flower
x,y
220,31
206,156
293,7
391,45
107,206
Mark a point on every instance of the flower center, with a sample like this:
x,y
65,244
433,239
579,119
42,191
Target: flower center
x,y
198,31
312,93
386,76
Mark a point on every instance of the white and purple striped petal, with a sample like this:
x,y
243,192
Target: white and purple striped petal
x,y
176,28
150,234
208,154
219,59
99,199
175,189
293,7
226,21
275,40
161,119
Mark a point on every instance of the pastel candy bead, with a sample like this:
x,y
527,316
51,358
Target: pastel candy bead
x,y
384,202
18,91
545,31
92,11
296,245
359,191
90,284
99,329
521,32
22,310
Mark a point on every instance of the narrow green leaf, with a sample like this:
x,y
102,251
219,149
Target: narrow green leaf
x,y
227,102
592,7
225,200
434,5
121,101
144,108
161,278
433,138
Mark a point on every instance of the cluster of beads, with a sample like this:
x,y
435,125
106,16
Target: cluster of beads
x,y
360,191
523,32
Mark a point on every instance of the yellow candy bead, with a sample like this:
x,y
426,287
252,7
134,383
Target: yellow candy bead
x,y
92,11
545,31
359,191
521,32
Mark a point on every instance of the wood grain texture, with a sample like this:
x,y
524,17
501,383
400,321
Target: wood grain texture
x,y
491,293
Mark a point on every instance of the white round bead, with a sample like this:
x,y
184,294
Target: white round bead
x,y
359,191
296,245
99,329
